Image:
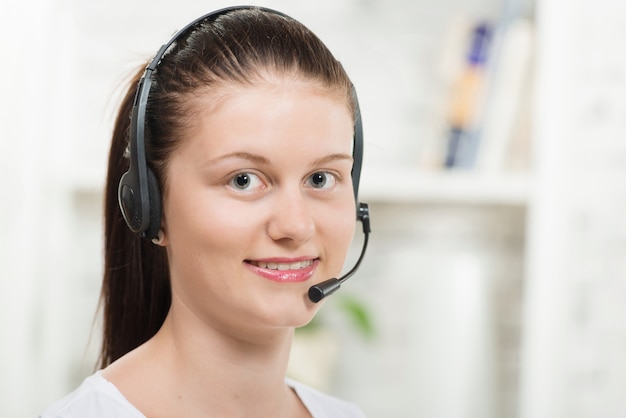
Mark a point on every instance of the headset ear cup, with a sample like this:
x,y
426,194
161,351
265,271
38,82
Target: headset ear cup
x,y
128,203
155,207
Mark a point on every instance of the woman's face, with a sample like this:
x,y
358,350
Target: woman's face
x,y
259,205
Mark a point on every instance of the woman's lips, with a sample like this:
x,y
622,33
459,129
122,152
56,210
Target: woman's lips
x,y
284,271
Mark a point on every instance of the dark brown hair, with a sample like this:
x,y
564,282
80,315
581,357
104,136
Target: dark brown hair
x,y
238,47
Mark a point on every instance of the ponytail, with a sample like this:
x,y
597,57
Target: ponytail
x,y
136,293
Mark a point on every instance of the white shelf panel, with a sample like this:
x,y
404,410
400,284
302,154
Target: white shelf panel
x,y
406,185
409,185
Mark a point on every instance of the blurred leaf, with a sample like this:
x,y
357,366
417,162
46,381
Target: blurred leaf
x,y
358,313
355,311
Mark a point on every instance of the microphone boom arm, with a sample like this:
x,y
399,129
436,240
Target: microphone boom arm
x,y
321,290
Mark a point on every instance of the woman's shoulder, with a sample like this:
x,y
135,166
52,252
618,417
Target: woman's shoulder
x,y
322,405
95,397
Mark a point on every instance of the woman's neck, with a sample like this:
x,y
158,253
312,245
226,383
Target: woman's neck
x,y
191,369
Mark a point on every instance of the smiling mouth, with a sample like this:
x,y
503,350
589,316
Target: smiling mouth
x,y
297,265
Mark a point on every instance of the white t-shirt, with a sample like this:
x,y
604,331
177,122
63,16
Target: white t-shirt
x,y
96,397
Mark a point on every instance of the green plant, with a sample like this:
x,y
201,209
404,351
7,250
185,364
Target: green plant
x,y
354,310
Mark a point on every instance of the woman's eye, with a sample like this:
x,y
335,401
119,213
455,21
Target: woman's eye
x,y
322,180
245,181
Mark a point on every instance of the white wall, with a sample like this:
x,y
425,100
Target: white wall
x,y
575,312
37,113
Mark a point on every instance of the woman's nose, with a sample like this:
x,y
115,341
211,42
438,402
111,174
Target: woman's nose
x,y
291,218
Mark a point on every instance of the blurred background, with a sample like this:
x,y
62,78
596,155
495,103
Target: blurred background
x,y
495,169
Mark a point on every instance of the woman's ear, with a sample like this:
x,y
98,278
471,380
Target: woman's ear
x,y
161,238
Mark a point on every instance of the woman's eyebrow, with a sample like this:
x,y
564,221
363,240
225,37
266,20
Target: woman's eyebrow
x,y
259,159
332,157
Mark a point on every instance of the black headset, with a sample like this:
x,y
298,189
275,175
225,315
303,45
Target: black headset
x,y
138,192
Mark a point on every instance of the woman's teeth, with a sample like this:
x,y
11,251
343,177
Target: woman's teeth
x,y
283,266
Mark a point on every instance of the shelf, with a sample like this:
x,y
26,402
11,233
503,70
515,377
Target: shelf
x,y
405,185
408,185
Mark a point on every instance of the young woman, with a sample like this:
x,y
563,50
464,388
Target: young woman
x,y
235,150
